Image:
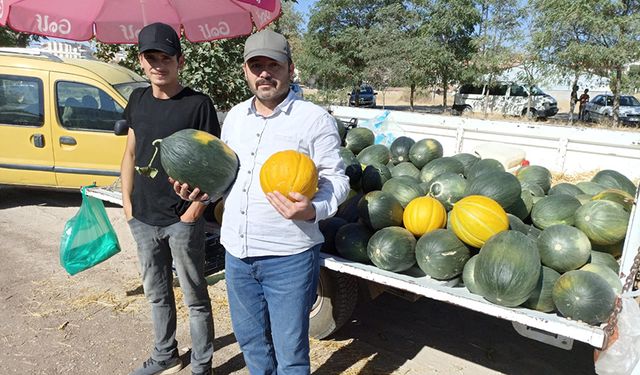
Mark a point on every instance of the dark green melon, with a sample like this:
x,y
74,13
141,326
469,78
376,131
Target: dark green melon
x,y
508,268
399,149
351,242
329,227
425,150
615,180
583,296
352,169
483,166
379,210
522,206
563,248
535,174
468,275
466,159
590,187
565,188
607,274
405,169
441,255
436,167
554,209
374,176
618,196
392,249
604,222
357,139
348,210
541,298
200,160
518,225
502,187
374,154
448,188
534,189
404,189
584,198
605,259
615,250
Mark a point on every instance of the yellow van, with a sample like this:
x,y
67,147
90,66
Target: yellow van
x,y
57,119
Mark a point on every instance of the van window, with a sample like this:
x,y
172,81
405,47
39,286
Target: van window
x,y
21,101
499,90
86,107
470,89
517,90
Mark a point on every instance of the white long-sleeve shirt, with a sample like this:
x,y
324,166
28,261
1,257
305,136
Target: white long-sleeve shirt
x,y
250,225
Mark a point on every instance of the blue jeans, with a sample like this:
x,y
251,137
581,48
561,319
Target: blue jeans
x,y
184,244
270,298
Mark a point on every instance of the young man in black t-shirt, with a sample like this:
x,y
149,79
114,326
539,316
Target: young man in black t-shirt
x,y
166,228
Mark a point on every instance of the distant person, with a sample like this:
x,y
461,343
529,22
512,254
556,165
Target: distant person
x,y
584,98
573,99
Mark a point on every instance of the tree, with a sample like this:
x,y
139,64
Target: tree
x,y
10,38
596,36
334,44
495,41
449,30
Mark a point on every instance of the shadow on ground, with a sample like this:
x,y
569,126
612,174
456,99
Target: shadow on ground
x,y
401,329
11,196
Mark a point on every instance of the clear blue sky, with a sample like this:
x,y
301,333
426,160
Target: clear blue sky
x,y
303,6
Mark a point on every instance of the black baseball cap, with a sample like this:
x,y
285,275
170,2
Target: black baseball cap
x,y
159,37
267,43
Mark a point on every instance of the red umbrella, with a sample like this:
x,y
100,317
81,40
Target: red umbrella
x,y
119,21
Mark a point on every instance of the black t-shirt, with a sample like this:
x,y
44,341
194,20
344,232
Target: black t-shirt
x,y
153,199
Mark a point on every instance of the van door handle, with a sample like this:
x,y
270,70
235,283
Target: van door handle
x,y
66,140
38,140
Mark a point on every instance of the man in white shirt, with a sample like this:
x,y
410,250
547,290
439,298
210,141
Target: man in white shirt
x,y
273,243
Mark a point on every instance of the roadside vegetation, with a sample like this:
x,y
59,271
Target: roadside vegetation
x,y
425,45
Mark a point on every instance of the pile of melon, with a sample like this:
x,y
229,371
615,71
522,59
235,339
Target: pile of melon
x,y
513,238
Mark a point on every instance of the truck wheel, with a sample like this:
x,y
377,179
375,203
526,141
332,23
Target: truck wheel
x,y
530,114
335,302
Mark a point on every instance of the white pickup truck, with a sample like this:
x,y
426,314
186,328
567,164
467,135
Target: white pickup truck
x,y
566,150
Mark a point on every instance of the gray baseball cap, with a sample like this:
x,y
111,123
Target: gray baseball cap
x,y
267,43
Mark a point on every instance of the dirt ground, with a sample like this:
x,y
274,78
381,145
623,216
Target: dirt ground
x,y
98,322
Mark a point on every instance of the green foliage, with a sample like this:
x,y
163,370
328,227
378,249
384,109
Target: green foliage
x,y
596,36
215,68
10,38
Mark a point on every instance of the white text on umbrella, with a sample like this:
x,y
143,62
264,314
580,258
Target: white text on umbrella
x,y
63,26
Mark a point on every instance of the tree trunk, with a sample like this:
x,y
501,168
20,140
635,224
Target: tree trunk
x,y
445,84
572,104
413,92
616,95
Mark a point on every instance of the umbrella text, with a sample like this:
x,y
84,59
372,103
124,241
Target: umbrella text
x,y
212,32
63,26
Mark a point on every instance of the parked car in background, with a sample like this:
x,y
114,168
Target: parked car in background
x,y
601,107
365,96
505,98
57,119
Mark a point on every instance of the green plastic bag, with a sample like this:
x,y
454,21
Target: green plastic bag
x,y
88,237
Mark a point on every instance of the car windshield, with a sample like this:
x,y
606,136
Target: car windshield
x,y
629,101
365,90
125,89
535,90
